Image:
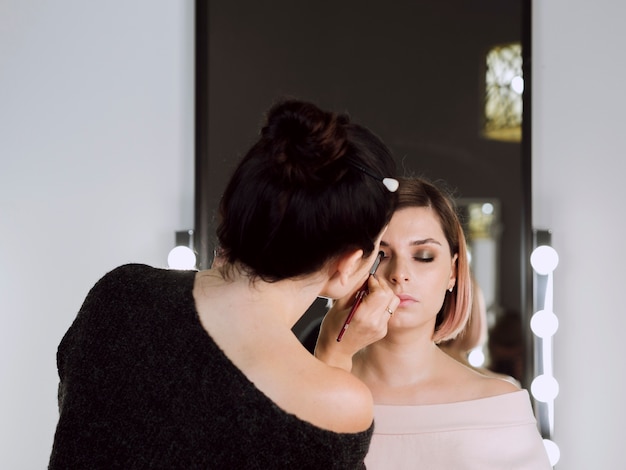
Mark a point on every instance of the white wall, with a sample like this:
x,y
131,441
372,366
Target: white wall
x,y
579,129
96,169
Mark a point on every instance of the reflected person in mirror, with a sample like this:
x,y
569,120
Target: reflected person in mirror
x,y
430,410
166,369
474,335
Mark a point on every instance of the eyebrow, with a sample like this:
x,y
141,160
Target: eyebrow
x,y
425,241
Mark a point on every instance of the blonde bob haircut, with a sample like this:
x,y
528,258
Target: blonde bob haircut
x,y
455,311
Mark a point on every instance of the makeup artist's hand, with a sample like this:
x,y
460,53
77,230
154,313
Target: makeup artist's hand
x,y
368,325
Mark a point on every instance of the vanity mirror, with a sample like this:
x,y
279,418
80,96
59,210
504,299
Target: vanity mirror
x,y
414,72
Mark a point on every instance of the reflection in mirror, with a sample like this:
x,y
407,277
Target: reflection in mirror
x,y
482,227
504,85
501,350
414,72
481,222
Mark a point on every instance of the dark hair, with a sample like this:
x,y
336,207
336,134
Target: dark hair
x,y
297,200
418,192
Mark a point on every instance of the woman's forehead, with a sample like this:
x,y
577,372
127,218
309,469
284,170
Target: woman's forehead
x,y
414,222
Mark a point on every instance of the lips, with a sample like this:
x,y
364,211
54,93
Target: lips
x,y
406,299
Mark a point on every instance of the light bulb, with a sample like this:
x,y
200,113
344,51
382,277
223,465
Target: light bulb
x,y
181,257
544,323
487,208
553,451
476,357
544,388
544,259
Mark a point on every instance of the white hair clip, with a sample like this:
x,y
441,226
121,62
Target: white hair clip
x,y
391,184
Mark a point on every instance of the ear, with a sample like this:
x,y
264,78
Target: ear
x,y
342,274
453,272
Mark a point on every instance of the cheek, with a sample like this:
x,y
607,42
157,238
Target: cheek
x,y
440,299
435,282
436,275
384,269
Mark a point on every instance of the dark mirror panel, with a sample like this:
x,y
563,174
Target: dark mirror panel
x,y
414,72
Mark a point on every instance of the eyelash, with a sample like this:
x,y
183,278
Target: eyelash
x,y
422,259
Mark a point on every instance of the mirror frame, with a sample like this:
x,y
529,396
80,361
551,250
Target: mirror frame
x,y
204,210
526,200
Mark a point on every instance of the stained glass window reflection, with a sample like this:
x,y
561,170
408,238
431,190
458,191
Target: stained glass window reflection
x,y
503,99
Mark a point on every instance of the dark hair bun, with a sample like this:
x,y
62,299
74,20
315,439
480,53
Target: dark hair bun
x,y
299,197
304,139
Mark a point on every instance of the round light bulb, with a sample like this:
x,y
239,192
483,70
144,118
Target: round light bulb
x,y
476,357
544,259
487,208
181,257
517,84
544,323
544,388
553,451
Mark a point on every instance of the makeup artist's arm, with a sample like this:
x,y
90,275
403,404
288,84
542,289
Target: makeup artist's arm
x,y
368,325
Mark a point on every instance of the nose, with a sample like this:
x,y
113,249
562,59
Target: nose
x,y
398,271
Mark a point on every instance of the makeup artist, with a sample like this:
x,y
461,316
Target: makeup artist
x,y
166,369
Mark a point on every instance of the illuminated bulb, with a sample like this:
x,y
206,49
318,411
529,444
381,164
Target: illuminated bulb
x,y
517,84
487,208
544,259
476,357
544,323
181,257
544,388
554,453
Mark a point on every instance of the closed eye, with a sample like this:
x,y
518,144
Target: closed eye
x,y
425,256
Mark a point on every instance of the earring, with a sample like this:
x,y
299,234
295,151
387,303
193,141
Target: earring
x,y
450,290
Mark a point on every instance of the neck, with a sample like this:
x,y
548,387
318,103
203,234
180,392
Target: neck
x,y
281,301
455,353
396,361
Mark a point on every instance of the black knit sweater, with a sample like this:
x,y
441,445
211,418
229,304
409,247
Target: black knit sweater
x,y
143,386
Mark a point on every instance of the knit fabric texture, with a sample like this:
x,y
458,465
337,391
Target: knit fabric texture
x,y
143,386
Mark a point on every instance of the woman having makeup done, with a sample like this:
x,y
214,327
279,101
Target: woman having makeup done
x,y
431,411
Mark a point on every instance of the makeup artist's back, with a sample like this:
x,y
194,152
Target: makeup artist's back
x,y
185,369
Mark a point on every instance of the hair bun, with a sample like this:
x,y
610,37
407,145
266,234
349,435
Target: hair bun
x,y
304,139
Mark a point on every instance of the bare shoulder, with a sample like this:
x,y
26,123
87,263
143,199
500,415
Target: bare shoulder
x,y
475,385
341,402
498,386
485,386
279,366
327,397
